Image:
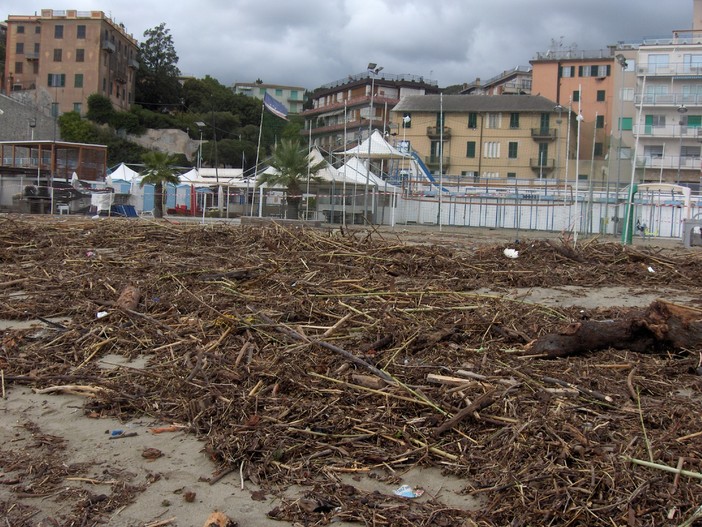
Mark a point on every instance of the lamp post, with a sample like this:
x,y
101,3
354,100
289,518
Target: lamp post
x,y
621,60
373,70
200,125
682,110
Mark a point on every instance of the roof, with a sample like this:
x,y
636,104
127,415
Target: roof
x,y
475,103
379,148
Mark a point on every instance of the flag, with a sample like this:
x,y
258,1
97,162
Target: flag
x,y
275,107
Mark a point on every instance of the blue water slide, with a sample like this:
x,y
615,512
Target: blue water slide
x,y
427,173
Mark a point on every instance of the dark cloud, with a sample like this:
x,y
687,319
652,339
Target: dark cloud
x,y
312,42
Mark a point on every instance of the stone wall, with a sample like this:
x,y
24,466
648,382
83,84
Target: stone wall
x,y
17,116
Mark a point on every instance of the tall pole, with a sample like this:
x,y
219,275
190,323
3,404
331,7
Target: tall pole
x,y
373,70
441,157
682,110
628,220
622,62
309,162
579,118
258,149
343,185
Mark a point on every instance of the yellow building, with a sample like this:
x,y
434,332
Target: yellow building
x,y
520,137
60,58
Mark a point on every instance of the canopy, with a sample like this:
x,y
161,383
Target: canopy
x,y
379,148
124,173
356,171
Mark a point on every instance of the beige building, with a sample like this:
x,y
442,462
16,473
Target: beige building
x,y
60,58
484,137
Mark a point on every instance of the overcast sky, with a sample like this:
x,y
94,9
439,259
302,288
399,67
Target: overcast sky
x,y
313,42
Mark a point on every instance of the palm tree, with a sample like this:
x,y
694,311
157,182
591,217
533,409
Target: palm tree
x,y
159,170
292,166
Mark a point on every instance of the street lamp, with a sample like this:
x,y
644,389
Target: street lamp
x,y
200,125
558,108
621,60
373,70
682,110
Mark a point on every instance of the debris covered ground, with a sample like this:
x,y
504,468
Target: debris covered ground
x,y
299,355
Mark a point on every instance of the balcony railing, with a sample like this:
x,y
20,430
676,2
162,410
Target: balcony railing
x,y
108,46
668,99
543,133
669,162
435,161
668,131
32,55
676,69
435,131
542,163
133,63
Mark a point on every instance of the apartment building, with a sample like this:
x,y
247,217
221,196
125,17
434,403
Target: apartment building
x,y
582,83
346,111
516,81
292,97
485,137
60,58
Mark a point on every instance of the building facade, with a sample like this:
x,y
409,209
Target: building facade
x,y
345,112
484,137
60,58
516,81
292,97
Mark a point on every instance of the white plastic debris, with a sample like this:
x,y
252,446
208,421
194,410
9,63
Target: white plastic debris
x,y
650,269
511,253
405,491
102,314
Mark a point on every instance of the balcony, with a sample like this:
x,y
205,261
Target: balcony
x,y
545,164
435,132
657,162
672,69
674,131
435,161
548,134
108,46
133,63
32,55
670,100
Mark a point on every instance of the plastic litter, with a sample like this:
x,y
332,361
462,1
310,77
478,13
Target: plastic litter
x,y
650,269
511,253
101,314
405,491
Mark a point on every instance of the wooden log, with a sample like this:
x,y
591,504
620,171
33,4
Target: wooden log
x,y
662,326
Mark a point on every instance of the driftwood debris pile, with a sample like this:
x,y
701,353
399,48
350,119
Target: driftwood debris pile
x,y
301,355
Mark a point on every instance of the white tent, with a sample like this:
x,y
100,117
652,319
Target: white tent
x,y
124,173
379,148
357,172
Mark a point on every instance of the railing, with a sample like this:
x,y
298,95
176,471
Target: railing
x,y
402,77
672,68
543,133
574,54
669,130
133,63
668,99
669,162
32,55
109,46
435,131
542,163
435,161
351,103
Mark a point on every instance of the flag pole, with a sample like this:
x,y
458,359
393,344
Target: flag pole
x,y
258,149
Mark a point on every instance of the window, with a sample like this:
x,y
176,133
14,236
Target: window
x,y
658,62
37,30
600,122
470,149
600,95
690,151
262,91
19,48
18,67
567,71
278,92
598,149
77,107
514,120
576,96
492,149
80,55
20,30
78,80
80,31
472,120
594,71
293,94
493,120
513,147
625,152
626,123
406,120
58,31
58,54
512,175
582,177
36,48
653,151
56,80
54,109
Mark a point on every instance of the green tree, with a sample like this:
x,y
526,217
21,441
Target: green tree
x,y
157,84
77,130
291,164
100,109
159,171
